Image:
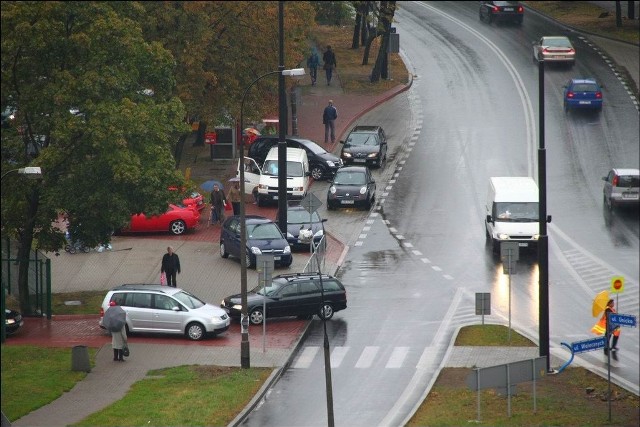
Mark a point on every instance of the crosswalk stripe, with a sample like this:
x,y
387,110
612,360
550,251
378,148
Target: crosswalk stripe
x,y
305,359
366,358
337,355
397,357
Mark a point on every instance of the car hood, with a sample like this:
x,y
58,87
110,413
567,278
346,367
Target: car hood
x,y
210,310
351,189
361,148
252,299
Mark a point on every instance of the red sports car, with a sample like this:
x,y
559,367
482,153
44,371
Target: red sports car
x,y
177,219
192,199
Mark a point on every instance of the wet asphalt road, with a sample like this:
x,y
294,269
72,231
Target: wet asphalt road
x,y
416,263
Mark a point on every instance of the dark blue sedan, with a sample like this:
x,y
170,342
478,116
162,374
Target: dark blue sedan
x,y
263,238
583,93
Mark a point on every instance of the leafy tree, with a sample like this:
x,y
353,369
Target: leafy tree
x,y
96,110
333,12
221,47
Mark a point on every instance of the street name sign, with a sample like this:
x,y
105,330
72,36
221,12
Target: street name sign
x,y
628,320
588,345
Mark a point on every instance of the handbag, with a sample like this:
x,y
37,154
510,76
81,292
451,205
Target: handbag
x,y
228,207
163,278
125,350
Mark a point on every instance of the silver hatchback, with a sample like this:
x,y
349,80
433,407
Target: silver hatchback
x,y
621,187
163,309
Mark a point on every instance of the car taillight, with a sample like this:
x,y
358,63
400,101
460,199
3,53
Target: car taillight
x,y
572,51
101,312
570,94
545,50
615,181
495,9
520,9
599,95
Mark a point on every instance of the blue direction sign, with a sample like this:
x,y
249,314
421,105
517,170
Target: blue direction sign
x,y
623,319
587,345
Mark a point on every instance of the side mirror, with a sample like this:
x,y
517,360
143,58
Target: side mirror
x,y
324,219
604,178
489,219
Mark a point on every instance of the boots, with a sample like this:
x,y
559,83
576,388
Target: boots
x,y
115,354
121,355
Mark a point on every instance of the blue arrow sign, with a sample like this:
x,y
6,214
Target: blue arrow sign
x,y
623,320
587,345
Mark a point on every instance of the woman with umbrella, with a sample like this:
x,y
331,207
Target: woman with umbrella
x,y
115,320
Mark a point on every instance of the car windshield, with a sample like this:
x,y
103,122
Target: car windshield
x,y
557,42
266,230
271,289
349,178
315,148
188,300
362,139
506,3
293,168
585,87
516,212
301,216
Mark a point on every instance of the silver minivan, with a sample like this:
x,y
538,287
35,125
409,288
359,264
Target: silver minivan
x,y
164,309
621,187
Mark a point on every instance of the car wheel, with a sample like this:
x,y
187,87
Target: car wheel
x,y
326,312
86,249
256,317
195,331
317,172
223,251
178,227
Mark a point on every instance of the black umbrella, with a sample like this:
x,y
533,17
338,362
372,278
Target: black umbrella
x,y
114,318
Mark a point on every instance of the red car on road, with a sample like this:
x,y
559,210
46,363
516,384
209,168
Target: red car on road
x,y
177,220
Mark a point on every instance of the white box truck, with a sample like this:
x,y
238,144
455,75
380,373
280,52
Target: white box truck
x,y
512,212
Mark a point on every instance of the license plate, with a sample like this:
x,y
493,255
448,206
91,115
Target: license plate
x,y
584,102
508,9
558,57
276,258
359,160
275,197
347,202
523,245
629,195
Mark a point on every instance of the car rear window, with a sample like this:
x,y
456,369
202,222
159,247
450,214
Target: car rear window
x,y
629,181
331,285
585,87
505,3
557,42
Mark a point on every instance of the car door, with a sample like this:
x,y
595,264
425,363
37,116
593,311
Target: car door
x,y
285,302
139,311
167,314
231,236
371,185
310,299
383,143
252,174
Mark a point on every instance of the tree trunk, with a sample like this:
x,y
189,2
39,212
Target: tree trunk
x,y
25,242
367,49
202,128
618,14
631,10
381,67
355,41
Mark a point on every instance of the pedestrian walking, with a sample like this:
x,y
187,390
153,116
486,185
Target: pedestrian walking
x,y
235,198
612,333
312,64
218,201
118,337
329,59
329,117
170,266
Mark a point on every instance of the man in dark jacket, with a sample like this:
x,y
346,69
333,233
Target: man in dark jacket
x,y
170,266
329,117
329,59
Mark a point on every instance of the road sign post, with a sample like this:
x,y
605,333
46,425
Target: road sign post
x,y
264,267
483,304
510,254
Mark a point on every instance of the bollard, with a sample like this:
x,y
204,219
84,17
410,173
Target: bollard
x,y
80,359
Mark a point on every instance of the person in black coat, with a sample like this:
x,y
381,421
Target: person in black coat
x,y
170,266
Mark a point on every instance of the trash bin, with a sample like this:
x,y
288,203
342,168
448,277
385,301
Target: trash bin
x,y
80,359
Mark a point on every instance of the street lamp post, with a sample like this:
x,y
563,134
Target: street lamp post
x,y
32,172
244,319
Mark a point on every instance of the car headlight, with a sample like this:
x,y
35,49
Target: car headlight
x,y
331,164
237,307
332,189
319,233
10,321
255,251
503,236
536,237
287,249
363,190
346,154
263,186
373,155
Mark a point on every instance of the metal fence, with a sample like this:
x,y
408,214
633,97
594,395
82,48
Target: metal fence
x,y
316,262
39,278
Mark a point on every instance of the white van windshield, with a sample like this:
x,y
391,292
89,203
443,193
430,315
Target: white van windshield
x,y
294,169
515,212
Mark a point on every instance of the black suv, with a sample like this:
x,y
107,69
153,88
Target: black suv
x,y
365,145
323,165
291,295
501,11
